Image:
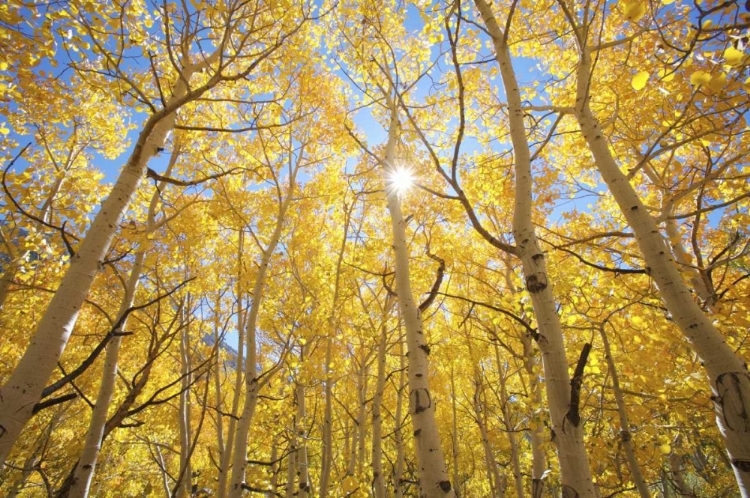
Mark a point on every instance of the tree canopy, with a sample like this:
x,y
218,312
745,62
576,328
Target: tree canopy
x,y
353,248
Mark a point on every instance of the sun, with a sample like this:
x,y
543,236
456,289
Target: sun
x,y
400,180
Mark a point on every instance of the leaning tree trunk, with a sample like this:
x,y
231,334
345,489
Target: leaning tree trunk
x,y
433,475
23,389
625,436
727,372
576,478
86,466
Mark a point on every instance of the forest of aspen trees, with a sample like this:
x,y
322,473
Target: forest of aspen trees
x,y
366,248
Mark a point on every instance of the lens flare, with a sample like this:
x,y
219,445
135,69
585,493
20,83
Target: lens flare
x,y
400,180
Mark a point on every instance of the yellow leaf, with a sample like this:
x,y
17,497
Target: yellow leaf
x,y
634,11
639,80
718,81
700,78
3,66
746,84
665,449
4,130
667,2
732,56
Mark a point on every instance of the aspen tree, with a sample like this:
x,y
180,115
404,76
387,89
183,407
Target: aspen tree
x,y
727,371
253,383
22,390
433,475
93,441
566,423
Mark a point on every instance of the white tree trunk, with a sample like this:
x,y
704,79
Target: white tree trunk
x,y
24,387
239,375
378,479
538,456
625,436
433,475
510,427
576,478
727,372
252,384
92,443
497,486
185,423
398,473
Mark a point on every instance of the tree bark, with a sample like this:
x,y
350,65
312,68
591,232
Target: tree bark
x,y
24,387
239,375
433,475
252,383
727,372
576,478
625,436
378,479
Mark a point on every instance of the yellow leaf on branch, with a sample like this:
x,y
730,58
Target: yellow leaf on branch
x,y
639,80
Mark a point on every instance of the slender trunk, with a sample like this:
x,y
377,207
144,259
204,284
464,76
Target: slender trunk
x,y
291,469
185,474
86,466
361,422
275,468
510,427
398,473
454,402
576,478
727,372
327,432
217,383
378,479
350,445
303,474
625,436
493,472
24,387
536,430
252,384
239,373
433,475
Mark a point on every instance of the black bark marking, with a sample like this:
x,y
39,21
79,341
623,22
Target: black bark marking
x,y
731,388
445,486
741,465
425,348
421,402
575,387
536,283
537,488
569,492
